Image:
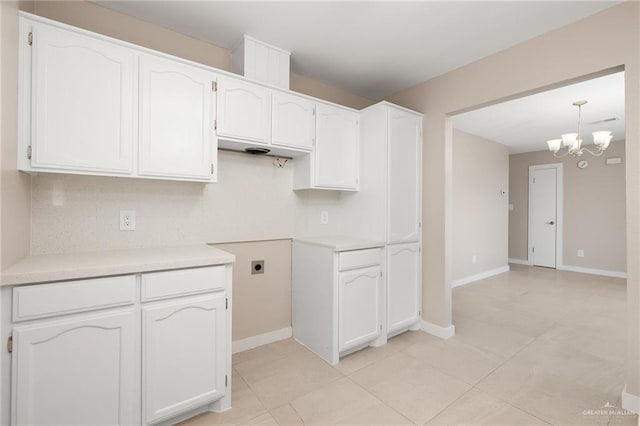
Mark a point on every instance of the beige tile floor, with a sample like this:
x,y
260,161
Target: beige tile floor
x,y
532,346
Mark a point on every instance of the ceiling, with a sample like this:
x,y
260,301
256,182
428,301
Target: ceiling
x,y
373,49
525,124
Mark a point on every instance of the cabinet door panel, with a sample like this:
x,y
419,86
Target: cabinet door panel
x,y
177,109
183,355
336,151
82,102
359,320
405,141
243,110
293,121
78,371
403,285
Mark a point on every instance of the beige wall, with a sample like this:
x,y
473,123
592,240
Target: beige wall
x,y
606,40
593,205
480,220
261,302
14,186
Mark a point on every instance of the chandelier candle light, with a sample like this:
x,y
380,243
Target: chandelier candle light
x,y
573,141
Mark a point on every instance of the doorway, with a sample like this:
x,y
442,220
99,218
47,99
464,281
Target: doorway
x,y
545,215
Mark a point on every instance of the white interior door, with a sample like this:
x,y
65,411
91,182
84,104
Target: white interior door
x,y
544,217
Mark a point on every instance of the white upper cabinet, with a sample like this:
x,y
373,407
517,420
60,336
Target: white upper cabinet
x,y
82,101
404,176
258,60
334,161
294,121
90,104
177,106
94,105
244,110
336,153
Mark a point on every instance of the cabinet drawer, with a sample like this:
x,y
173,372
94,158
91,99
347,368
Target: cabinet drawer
x,y
358,259
45,300
182,282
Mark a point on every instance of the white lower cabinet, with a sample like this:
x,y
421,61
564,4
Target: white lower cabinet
x,y
183,355
336,298
359,301
101,351
403,286
77,371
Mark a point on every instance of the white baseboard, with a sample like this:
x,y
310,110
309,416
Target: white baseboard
x,y
603,272
261,339
480,276
436,330
519,261
630,402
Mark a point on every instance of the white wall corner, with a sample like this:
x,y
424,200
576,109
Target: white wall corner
x,y
480,276
592,271
261,339
518,261
436,330
630,402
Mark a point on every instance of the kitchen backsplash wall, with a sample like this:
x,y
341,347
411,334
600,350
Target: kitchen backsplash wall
x,y
253,200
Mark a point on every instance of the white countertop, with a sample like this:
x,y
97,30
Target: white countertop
x,y
57,267
340,243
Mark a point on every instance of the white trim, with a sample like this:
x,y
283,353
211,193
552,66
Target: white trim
x,y
261,339
518,261
436,330
559,210
630,402
603,272
480,276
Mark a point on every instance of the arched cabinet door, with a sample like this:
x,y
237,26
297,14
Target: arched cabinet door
x,y
244,110
83,94
294,121
177,106
404,177
403,286
336,157
87,362
183,355
359,304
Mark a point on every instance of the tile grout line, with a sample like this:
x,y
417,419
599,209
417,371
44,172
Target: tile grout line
x,y
381,401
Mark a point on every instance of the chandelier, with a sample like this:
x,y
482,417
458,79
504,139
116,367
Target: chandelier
x,y
573,141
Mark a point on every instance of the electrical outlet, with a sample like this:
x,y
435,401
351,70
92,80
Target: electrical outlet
x,y
324,217
473,259
257,267
127,220
580,253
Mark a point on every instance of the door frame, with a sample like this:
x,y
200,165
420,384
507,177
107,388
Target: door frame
x,y
559,211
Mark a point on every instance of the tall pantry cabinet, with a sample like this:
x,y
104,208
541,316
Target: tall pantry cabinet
x,y
388,206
